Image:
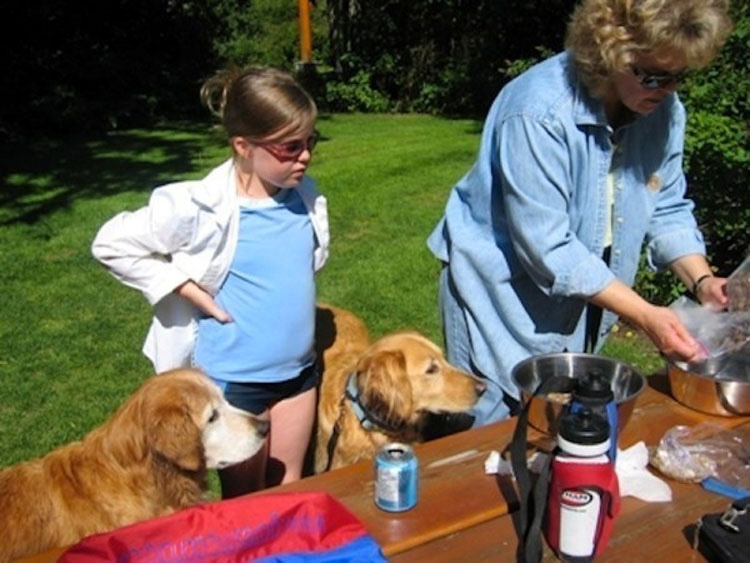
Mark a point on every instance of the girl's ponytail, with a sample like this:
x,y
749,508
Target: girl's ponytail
x,y
214,90
257,102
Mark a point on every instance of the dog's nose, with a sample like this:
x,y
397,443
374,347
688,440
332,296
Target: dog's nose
x,y
262,427
480,386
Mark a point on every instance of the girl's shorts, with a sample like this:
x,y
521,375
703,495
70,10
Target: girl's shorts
x,y
256,398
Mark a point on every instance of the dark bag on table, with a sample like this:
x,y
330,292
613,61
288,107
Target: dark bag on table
x,y
726,537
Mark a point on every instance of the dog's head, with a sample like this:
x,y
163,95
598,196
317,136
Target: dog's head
x,y
404,375
184,419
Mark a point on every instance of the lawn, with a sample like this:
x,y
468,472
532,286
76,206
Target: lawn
x,y
70,336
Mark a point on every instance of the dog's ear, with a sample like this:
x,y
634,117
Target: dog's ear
x,y
384,386
172,434
123,437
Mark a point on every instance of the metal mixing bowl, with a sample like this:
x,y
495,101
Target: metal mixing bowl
x,y
626,383
724,391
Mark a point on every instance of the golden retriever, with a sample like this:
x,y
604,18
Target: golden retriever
x,y
392,384
149,459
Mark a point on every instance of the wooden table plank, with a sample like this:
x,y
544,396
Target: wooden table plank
x,y
458,495
449,467
643,531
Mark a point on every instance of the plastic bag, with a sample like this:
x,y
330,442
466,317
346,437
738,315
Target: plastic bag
x,y
738,287
695,453
718,332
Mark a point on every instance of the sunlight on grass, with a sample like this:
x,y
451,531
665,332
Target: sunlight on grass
x,y
155,155
634,348
71,335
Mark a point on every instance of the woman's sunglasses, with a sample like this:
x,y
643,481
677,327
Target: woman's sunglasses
x,y
658,80
284,152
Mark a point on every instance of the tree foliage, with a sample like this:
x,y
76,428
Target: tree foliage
x,y
718,145
126,62
438,56
102,64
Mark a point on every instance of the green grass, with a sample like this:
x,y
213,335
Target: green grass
x,y
70,335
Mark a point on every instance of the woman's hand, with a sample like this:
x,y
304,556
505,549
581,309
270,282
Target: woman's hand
x,y
661,324
203,300
713,292
694,271
666,331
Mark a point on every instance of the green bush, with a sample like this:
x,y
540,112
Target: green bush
x,y
263,32
355,94
717,155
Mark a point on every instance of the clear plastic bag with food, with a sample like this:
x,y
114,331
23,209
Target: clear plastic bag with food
x,y
718,332
738,287
695,453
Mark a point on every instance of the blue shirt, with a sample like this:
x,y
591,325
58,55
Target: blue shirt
x,y
270,295
523,230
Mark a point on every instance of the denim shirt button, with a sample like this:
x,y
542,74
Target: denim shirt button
x,y
617,251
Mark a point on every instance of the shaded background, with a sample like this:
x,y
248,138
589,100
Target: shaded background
x,y
75,67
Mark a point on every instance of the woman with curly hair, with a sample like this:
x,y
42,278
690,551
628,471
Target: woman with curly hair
x,y
580,164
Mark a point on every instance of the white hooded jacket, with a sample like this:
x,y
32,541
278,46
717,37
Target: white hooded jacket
x,y
188,231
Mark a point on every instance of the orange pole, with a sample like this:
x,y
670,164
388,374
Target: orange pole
x,y
305,33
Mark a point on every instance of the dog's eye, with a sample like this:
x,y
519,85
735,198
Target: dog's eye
x,y
433,369
214,416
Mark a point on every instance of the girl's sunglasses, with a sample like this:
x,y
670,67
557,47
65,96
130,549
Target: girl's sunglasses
x,y
658,80
284,152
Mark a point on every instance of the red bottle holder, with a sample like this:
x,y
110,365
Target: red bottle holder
x,y
578,476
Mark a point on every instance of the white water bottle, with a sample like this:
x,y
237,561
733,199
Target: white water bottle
x,y
577,516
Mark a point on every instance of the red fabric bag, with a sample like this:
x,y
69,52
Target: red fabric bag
x,y
273,527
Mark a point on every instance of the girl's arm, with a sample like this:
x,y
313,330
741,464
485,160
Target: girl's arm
x,y
203,300
136,247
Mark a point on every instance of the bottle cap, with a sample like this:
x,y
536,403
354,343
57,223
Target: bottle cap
x,y
583,433
593,388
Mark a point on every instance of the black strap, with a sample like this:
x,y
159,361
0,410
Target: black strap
x,y
367,418
531,503
332,441
533,540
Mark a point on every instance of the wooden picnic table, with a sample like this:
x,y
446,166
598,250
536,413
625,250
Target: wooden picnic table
x,y
643,531
464,513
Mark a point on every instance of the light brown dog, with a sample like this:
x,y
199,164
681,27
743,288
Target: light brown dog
x,y
149,459
391,384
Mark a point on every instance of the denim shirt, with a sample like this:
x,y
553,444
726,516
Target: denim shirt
x,y
523,230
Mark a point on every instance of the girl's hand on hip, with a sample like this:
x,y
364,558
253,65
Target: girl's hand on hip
x,y
666,331
203,300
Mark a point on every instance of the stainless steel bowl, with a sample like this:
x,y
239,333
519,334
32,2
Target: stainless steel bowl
x,y
724,391
544,413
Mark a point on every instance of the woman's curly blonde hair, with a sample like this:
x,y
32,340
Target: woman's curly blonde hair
x,y
605,36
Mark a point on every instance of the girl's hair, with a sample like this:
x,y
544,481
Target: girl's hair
x,y
257,102
605,36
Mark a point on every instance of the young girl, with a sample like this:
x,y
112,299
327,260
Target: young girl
x,y
228,263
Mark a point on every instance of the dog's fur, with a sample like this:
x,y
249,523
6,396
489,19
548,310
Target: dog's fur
x,y
149,459
400,378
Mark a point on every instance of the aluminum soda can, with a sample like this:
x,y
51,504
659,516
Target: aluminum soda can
x,y
396,477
